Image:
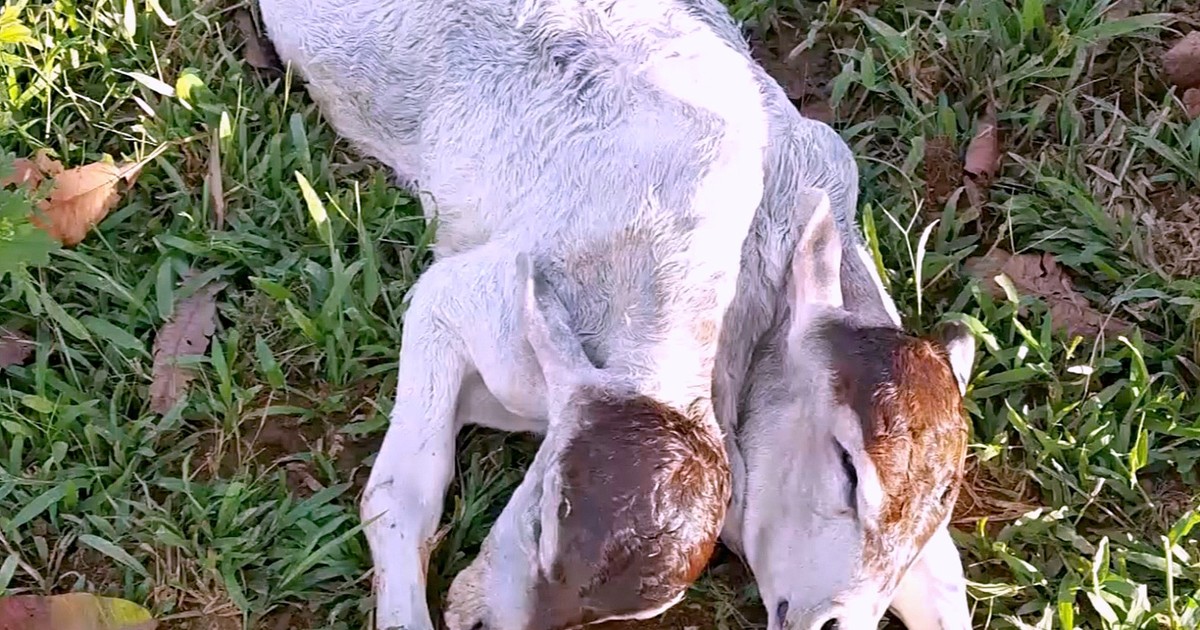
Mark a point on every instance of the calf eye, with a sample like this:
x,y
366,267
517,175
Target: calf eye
x,y
851,476
948,491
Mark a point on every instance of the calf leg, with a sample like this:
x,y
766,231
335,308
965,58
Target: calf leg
x,y
414,466
462,360
933,594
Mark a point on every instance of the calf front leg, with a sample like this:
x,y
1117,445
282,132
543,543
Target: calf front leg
x,y
933,594
463,360
414,466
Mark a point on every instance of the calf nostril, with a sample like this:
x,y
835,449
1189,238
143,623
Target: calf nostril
x,y
781,611
478,625
832,624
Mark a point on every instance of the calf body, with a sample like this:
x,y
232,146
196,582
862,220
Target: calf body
x,y
583,135
658,182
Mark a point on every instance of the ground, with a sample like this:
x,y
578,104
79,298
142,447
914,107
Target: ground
x,y
236,506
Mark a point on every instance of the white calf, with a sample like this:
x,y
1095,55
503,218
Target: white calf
x,y
587,138
639,158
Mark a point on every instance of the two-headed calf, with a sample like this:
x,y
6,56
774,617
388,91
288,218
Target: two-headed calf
x,y
656,183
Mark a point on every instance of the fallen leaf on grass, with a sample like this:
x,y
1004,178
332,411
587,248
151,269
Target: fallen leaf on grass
x,y
80,197
186,334
1181,64
24,173
982,160
1040,275
257,51
216,187
29,173
72,611
1191,102
15,347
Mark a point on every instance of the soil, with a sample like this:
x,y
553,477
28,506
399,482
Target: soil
x,y
102,576
804,74
943,172
280,440
1175,232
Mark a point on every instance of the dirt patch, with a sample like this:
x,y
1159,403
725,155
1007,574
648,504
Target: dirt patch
x,y
85,569
290,441
288,619
1175,233
804,74
943,172
205,622
1170,497
996,492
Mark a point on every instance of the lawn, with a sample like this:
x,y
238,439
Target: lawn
x,y
230,501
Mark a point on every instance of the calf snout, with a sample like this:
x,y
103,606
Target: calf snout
x,y
824,618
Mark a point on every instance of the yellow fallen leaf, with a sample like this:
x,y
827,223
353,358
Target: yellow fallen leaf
x,y
72,611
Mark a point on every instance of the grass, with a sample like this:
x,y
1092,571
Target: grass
x,y
237,508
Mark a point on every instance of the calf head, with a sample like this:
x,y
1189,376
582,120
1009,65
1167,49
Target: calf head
x,y
854,438
619,511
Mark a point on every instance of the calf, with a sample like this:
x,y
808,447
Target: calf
x,y
586,136
658,182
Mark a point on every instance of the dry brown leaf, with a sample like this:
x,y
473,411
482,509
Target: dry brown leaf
x,y
1040,275
30,173
1181,64
15,347
216,187
186,333
803,71
81,198
1191,102
982,160
258,51
25,173
49,166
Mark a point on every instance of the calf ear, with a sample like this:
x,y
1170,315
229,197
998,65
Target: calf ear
x,y
960,346
817,260
555,345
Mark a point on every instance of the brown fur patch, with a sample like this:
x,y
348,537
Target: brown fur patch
x,y
904,392
644,492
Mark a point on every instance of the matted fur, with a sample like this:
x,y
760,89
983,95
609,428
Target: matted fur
x,y
903,390
643,495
